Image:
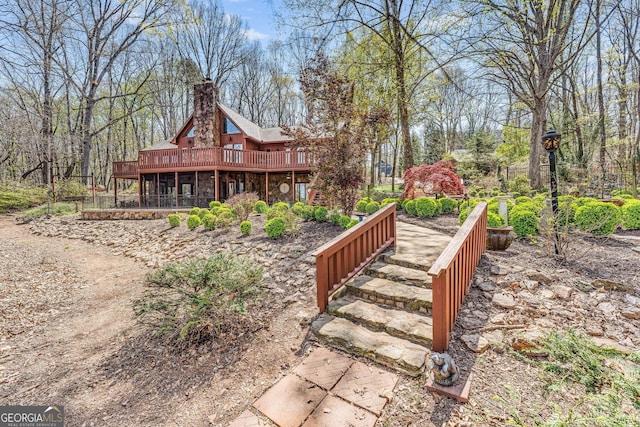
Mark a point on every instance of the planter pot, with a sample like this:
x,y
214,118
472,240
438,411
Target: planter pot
x,y
499,238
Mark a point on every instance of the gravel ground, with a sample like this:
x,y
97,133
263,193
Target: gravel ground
x,y
66,288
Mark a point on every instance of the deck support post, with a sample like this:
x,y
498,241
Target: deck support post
x,y
216,185
266,190
177,196
293,186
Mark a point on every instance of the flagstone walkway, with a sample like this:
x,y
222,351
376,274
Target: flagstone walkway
x,y
329,389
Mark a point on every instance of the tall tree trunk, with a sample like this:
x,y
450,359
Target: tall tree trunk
x,y
600,94
393,14
538,126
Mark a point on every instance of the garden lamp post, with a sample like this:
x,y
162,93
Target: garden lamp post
x,y
551,142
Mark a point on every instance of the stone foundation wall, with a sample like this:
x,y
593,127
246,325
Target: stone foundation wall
x,y
120,214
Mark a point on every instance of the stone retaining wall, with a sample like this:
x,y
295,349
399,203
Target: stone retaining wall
x,y
111,214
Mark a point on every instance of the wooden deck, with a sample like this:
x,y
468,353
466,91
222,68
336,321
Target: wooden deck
x,y
201,159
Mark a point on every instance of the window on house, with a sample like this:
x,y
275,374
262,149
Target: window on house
x,y
228,127
301,191
190,133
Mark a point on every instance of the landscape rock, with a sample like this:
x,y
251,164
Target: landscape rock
x,y
504,300
612,285
487,286
631,313
562,291
547,294
607,308
632,300
475,343
538,276
498,270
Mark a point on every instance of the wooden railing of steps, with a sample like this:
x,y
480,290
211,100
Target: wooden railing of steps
x,y
451,273
343,257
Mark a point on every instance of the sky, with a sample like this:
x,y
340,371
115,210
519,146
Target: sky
x,y
258,14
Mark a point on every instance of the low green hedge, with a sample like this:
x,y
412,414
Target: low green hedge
x,y
631,214
598,218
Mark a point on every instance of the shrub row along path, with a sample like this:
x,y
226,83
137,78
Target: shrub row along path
x,y
69,335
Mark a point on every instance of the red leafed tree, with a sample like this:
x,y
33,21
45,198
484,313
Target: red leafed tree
x,y
438,178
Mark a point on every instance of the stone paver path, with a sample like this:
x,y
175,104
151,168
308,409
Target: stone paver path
x,y
327,389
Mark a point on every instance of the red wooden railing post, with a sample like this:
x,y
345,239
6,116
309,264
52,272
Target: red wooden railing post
x,y
343,257
451,274
322,282
440,312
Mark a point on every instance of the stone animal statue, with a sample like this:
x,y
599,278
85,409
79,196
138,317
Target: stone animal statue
x,y
445,371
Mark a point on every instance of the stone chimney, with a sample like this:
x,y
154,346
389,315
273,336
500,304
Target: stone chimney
x,y
206,121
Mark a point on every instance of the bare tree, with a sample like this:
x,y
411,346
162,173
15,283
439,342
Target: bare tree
x,y
408,29
214,41
105,31
33,38
527,45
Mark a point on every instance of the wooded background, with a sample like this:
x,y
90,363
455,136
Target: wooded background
x,y
87,82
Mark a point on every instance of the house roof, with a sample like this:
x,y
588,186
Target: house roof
x,y
163,145
252,130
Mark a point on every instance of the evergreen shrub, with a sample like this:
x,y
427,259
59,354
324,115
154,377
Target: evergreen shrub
x,y
448,205
175,220
245,227
320,213
193,222
426,207
209,221
372,207
275,227
524,222
261,207
598,218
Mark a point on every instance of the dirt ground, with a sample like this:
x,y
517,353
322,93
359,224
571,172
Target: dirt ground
x,y
69,335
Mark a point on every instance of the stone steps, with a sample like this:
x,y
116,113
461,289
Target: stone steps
x,y
414,327
407,260
380,347
384,314
383,291
400,274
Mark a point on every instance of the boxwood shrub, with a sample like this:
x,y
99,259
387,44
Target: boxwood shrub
x,y
320,213
275,227
410,207
448,205
334,218
193,222
361,205
524,222
209,221
388,200
631,214
245,227
344,221
372,207
175,220
352,223
598,218
426,207
260,207
298,208
494,220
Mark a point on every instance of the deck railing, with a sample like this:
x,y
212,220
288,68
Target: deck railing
x,y
452,272
203,158
125,169
343,257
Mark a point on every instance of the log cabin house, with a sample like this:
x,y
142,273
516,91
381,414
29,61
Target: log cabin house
x,y
218,153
